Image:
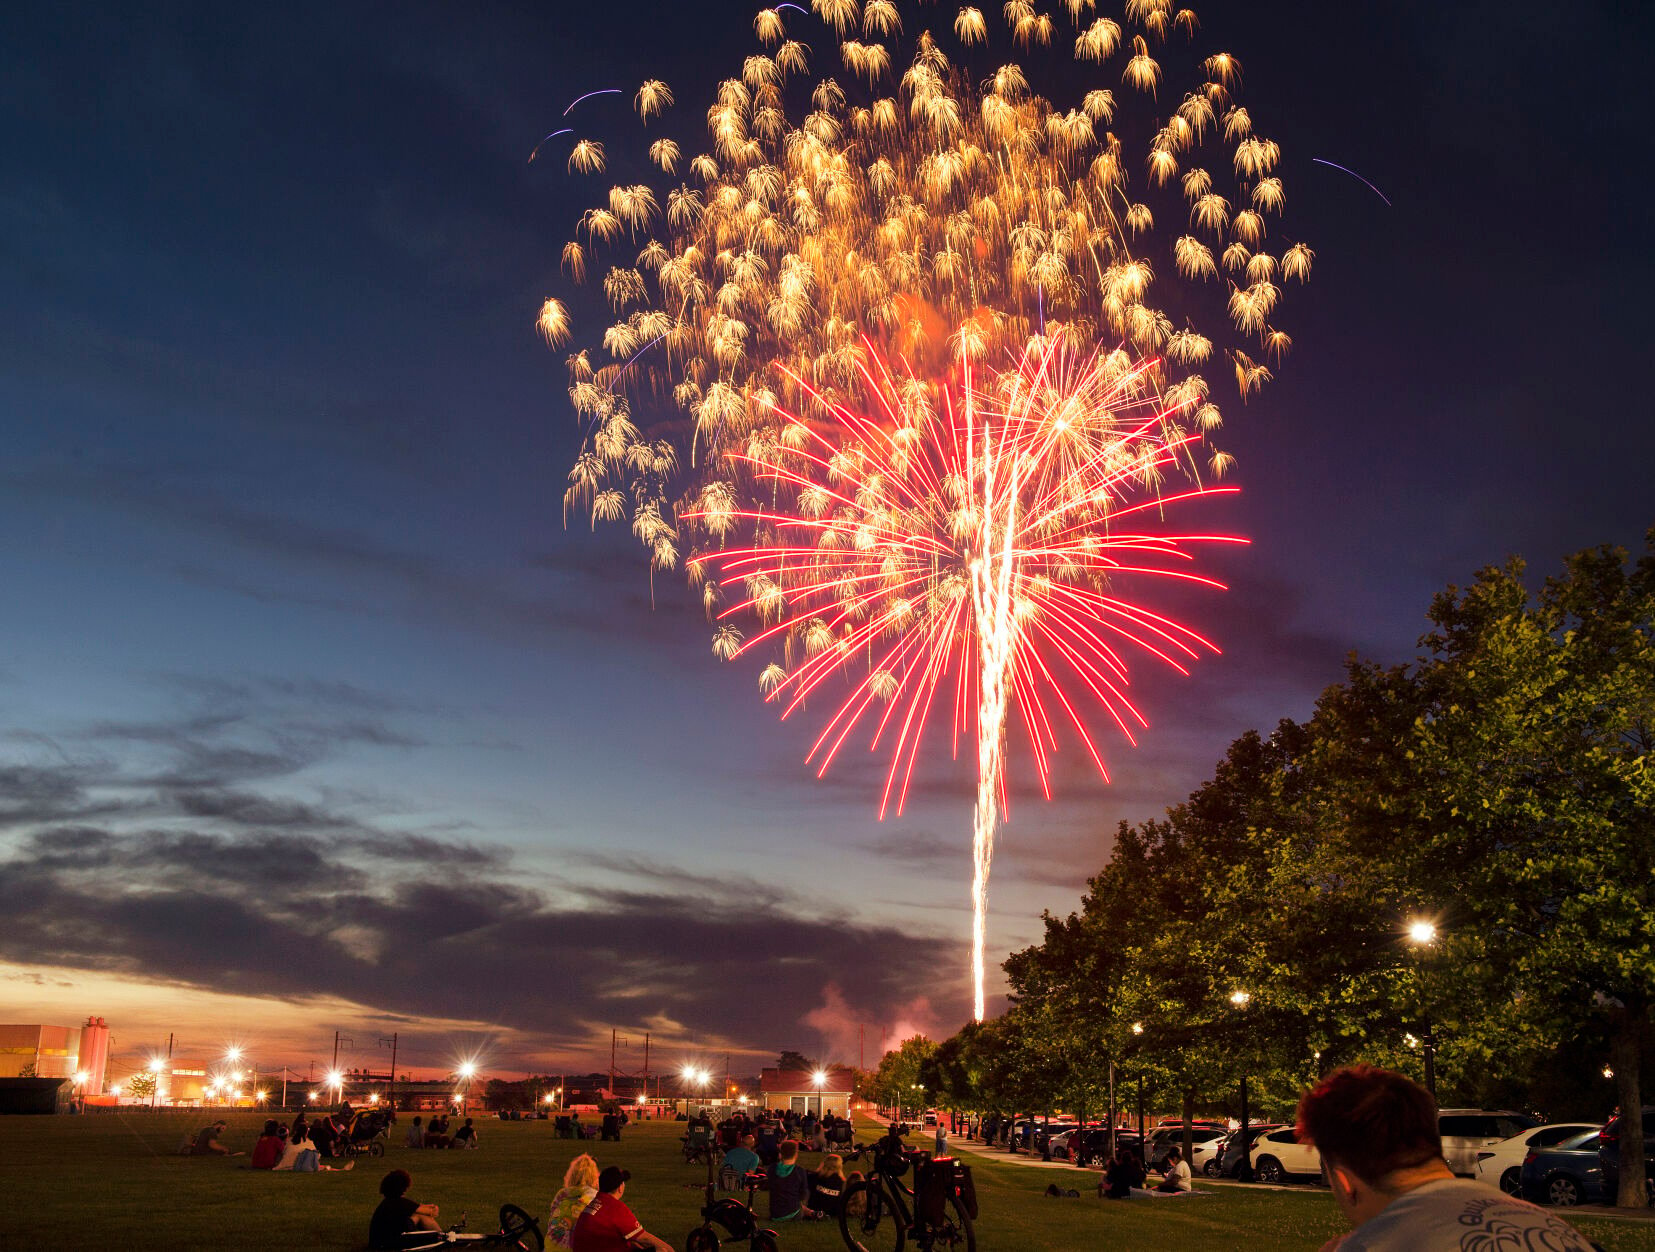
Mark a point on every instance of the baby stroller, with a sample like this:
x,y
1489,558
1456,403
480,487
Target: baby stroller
x,y
366,1134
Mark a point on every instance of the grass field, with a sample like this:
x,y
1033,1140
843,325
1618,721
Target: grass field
x,y
113,1181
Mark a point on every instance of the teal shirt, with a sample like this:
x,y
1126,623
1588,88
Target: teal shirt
x,y
741,1159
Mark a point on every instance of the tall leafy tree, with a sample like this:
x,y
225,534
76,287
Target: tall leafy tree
x,y
1539,743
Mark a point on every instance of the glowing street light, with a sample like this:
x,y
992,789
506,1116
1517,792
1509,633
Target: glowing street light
x,y
1241,999
156,1065
1422,933
467,1070
1137,1028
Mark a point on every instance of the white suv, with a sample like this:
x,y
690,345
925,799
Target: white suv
x,y
1279,1155
1466,1132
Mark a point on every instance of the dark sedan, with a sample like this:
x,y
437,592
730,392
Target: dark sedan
x,y
1566,1174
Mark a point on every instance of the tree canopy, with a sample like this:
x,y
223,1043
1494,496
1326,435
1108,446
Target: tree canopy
x,y
1500,787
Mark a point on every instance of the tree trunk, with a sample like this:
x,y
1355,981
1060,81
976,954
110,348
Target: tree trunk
x,y
1189,1122
1625,1048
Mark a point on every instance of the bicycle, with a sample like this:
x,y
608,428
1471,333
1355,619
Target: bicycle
x,y
517,1230
737,1219
876,1217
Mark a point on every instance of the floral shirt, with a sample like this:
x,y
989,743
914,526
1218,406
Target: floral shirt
x,y
567,1206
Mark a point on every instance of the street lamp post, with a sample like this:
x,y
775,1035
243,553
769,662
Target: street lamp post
x,y
1143,1148
1422,934
1241,999
468,1069
155,1067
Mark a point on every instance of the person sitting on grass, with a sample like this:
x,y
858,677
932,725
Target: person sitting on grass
x,y
828,1183
415,1138
608,1225
1177,1174
789,1186
436,1133
1125,1172
465,1136
324,1134
397,1215
580,1188
268,1149
207,1144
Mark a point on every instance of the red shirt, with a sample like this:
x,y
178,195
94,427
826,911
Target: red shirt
x,y
607,1225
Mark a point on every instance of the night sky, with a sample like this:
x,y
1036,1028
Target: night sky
x,y
314,717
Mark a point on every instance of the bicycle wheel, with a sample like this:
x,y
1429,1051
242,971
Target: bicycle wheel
x,y
869,1221
954,1231
376,1147
701,1240
764,1241
519,1230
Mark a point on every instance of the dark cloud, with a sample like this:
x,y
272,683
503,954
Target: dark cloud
x,y
291,917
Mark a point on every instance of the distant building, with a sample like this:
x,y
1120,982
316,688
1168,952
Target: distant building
x,y
799,1090
41,1051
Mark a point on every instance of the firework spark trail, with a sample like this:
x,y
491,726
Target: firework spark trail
x,y
602,91
1346,170
979,544
933,202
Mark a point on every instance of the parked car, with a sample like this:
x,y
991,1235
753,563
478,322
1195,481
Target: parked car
x,y
1566,1174
1609,1151
1044,1131
1096,1142
1466,1132
1168,1137
1502,1165
1229,1164
1278,1156
1206,1150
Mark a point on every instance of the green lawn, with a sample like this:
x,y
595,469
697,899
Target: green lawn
x,y
112,1180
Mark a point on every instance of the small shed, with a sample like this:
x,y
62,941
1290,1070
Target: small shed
x,y
35,1095
803,1092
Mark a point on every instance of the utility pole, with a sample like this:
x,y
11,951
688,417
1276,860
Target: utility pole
x,y
646,1062
613,1036
335,1050
391,1087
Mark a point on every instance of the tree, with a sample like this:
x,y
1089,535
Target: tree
x,y
790,1060
896,1081
1540,746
